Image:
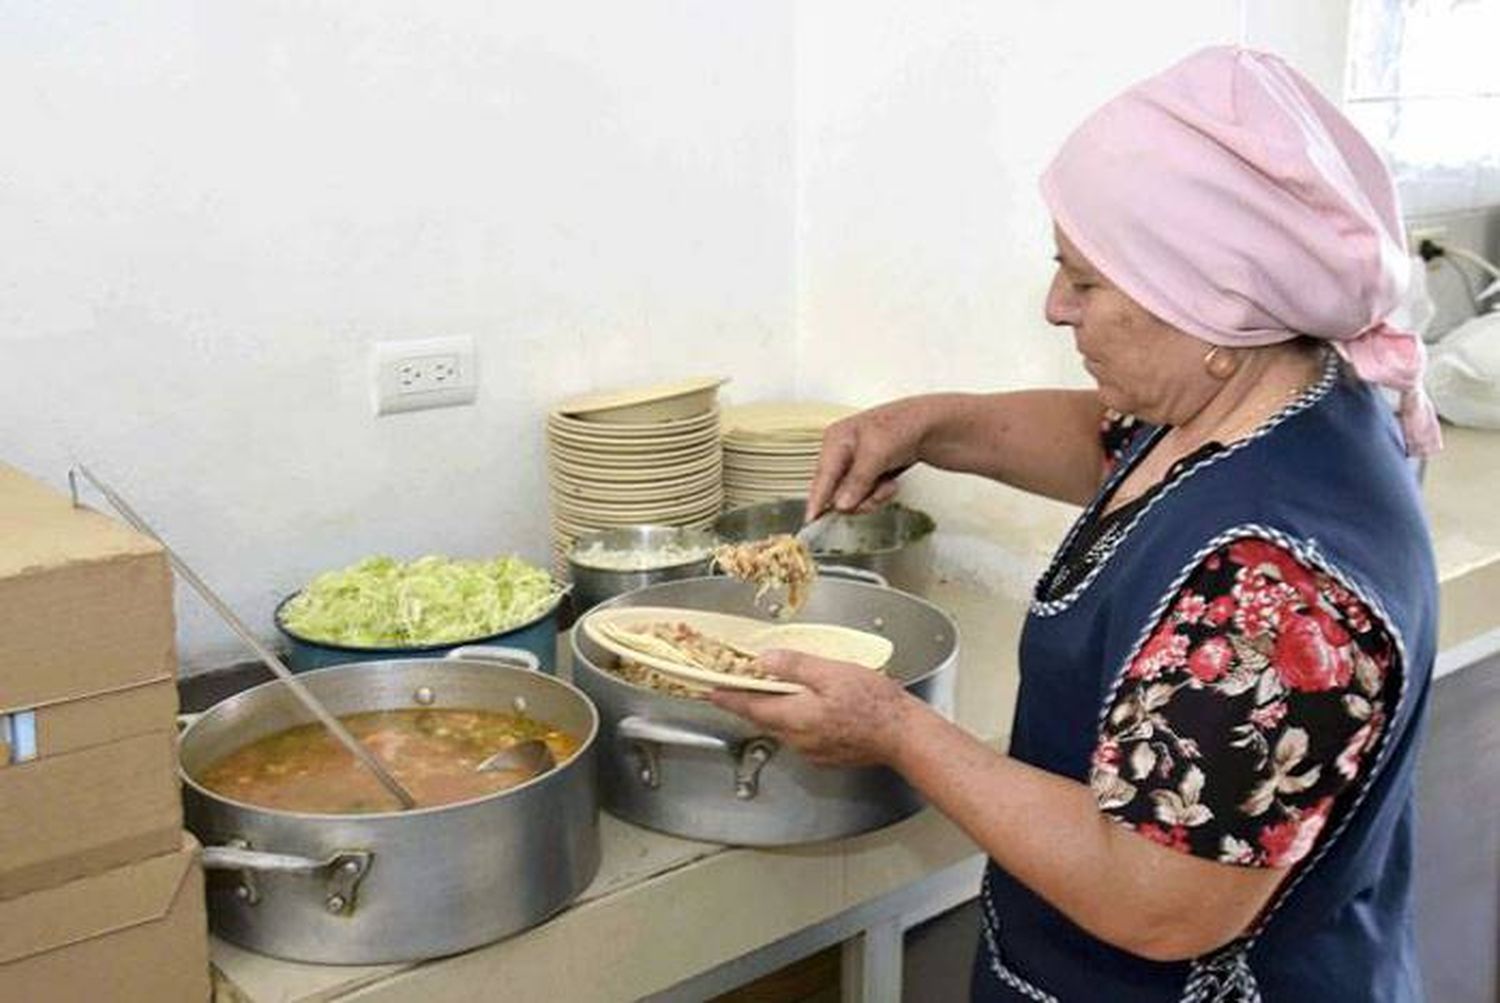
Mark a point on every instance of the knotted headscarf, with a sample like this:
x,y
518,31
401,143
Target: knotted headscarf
x,y
1232,200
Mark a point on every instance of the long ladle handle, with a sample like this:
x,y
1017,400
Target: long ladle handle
x,y
275,664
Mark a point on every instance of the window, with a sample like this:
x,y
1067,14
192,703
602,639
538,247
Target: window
x,y
1424,86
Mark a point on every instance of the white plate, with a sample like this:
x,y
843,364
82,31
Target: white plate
x,y
644,481
602,430
809,442
736,456
742,456
650,471
780,473
665,489
797,466
757,478
664,402
637,444
798,439
654,456
642,511
763,485
579,523
773,419
826,640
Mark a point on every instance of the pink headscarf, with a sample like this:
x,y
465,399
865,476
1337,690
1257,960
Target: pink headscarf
x,y
1233,201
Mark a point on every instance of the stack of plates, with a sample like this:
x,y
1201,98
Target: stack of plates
x,y
634,457
771,448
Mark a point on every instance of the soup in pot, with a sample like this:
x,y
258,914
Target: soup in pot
x,y
431,752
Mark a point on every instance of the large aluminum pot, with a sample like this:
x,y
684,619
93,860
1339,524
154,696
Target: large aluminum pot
x,y
396,886
891,541
686,767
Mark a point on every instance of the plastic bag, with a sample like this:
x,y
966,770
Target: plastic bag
x,y
1463,373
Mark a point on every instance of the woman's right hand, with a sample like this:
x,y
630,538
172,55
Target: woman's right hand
x,y
1043,441
863,454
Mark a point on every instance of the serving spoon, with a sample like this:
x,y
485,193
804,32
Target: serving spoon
x,y
815,526
275,664
531,757
810,531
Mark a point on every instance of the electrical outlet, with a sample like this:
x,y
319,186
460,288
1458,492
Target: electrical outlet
x,y
1416,234
430,372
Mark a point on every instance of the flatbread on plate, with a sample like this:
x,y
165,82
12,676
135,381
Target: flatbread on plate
x,y
623,632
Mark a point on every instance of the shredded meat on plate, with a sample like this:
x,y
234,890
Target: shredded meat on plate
x,y
695,648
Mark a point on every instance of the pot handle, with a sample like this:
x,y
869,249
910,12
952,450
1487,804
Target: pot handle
x,y
240,858
646,735
643,729
518,658
343,870
852,573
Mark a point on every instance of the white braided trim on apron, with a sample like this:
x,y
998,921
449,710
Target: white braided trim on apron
x,y
1051,607
988,924
1224,978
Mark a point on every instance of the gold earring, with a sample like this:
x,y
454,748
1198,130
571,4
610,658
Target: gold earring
x,y
1220,367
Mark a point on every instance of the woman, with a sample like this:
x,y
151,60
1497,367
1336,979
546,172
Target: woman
x,y
1207,794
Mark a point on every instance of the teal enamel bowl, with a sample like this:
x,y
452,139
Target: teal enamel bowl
x,y
537,635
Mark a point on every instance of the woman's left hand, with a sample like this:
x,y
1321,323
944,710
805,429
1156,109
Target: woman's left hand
x,y
848,715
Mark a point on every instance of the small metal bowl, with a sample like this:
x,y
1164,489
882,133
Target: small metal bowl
x,y
891,541
592,584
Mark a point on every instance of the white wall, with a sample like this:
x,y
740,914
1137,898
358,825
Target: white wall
x,y
209,212
924,247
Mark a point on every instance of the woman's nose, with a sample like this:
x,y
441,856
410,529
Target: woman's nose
x,y
1062,303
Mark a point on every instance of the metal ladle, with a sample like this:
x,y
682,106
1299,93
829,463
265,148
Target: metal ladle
x,y
365,757
812,530
531,757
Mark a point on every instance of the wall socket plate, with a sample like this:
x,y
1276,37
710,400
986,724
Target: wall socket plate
x,y
1420,232
423,373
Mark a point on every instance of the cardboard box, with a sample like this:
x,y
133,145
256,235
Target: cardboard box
x,y
65,816
85,602
135,934
87,692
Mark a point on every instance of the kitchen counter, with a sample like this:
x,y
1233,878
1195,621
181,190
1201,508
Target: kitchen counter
x,y
664,910
1462,490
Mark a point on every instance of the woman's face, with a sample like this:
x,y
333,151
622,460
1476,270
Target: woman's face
x,y
1143,366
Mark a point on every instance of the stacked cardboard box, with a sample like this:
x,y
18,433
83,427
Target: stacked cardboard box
x,y
100,891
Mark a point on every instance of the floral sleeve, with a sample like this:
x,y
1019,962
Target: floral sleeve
x,y
1116,432
1255,702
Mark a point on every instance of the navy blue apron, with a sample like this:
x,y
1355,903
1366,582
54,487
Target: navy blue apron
x,y
1326,478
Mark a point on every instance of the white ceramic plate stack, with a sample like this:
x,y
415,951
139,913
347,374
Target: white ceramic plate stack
x,y
771,448
632,457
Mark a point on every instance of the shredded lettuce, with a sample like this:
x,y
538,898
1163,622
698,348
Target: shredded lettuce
x,y
381,602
